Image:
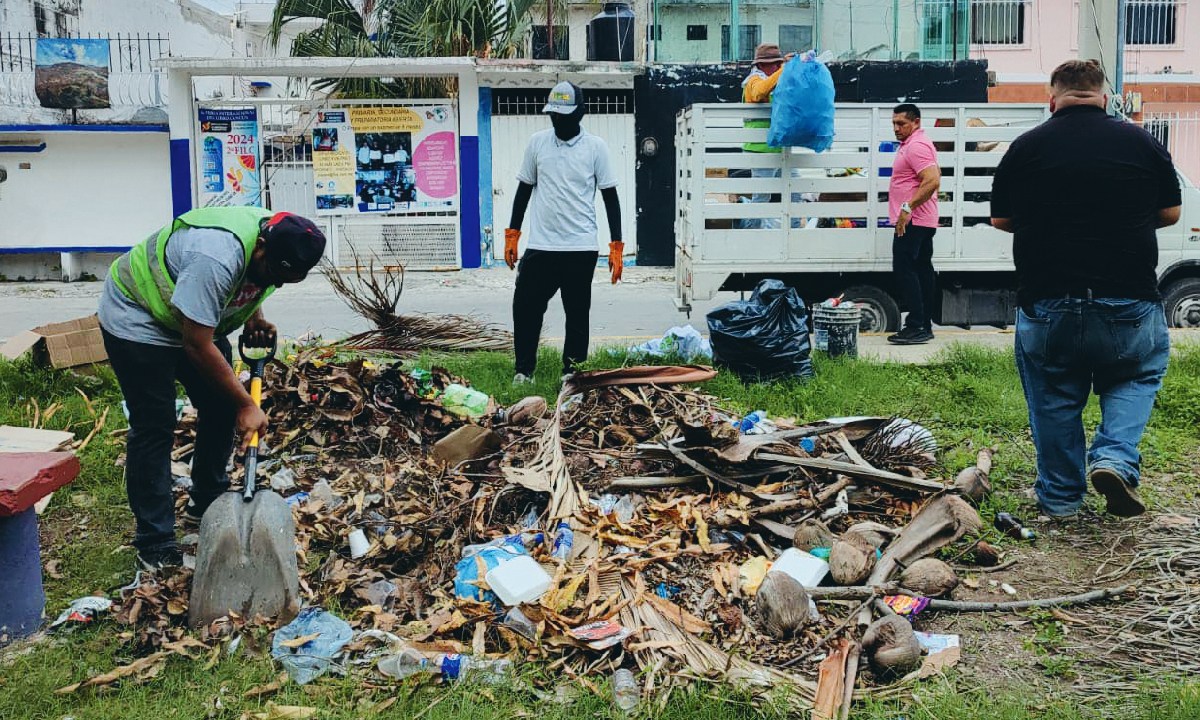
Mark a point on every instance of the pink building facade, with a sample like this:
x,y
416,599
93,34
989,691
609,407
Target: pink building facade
x,y
1023,41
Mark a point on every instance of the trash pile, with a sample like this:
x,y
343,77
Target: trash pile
x,y
637,526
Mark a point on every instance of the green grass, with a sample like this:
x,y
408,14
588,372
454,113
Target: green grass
x,y
970,397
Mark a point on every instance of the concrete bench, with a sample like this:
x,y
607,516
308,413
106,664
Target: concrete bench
x,y
25,478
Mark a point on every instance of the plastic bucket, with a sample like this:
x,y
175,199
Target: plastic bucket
x,y
835,330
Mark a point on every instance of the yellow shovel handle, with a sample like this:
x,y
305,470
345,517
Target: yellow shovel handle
x,y
256,396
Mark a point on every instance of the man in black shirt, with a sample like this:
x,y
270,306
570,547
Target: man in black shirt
x,y
1083,195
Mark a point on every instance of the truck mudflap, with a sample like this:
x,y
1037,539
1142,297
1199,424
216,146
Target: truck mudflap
x,y
965,307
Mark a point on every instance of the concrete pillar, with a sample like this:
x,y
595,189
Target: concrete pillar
x,y
469,206
181,123
1098,36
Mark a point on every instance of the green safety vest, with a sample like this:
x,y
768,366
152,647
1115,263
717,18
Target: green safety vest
x,y
758,147
141,274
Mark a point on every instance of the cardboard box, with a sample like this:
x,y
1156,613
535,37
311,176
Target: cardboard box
x,y
60,345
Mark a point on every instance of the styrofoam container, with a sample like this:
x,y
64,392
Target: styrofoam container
x,y
519,580
807,570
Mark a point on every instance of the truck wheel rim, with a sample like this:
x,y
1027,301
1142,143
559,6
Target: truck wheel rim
x,y
1187,312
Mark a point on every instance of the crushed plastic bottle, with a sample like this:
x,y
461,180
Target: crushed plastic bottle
x,y
564,541
457,667
285,479
519,623
626,692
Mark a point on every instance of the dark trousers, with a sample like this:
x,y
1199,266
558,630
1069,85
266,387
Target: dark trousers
x,y
147,375
912,266
540,274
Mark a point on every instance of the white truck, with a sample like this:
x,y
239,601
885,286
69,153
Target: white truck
x,y
817,221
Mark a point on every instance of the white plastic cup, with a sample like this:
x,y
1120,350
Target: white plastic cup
x,y
359,545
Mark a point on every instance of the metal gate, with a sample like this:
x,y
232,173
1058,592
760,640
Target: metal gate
x,y
517,115
417,240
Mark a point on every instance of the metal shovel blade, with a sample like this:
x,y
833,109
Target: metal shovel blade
x,y
246,560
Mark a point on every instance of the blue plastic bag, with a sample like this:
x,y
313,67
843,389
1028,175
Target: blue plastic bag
x,y
802,106
312,659
468,573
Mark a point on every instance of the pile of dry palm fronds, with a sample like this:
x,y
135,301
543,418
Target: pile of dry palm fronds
x,y
376,297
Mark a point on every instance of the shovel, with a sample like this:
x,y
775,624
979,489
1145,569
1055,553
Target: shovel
x,y
256,358
246,556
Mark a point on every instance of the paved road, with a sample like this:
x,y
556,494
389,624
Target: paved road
x,y
640,308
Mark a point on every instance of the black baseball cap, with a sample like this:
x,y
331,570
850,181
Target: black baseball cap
x,y
293,243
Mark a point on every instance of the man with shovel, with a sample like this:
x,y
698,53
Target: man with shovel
x,y
165,311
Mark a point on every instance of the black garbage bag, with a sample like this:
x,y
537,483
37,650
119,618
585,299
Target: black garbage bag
x,y
763,337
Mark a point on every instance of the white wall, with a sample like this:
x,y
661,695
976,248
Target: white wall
x,y
85,189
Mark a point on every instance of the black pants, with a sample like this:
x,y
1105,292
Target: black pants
x,y
540,274
147,375
912,266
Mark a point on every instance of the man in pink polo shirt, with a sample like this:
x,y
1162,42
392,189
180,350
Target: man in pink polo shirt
x,y
913,210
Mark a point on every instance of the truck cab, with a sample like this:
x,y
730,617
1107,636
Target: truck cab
x,y
819,221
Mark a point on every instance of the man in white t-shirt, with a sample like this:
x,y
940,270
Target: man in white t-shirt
x,y
562,169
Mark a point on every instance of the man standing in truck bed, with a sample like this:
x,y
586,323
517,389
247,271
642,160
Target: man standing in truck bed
x,y
913,209
1084,194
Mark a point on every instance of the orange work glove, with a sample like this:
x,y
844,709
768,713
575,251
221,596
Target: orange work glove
x,y
616,259
511,238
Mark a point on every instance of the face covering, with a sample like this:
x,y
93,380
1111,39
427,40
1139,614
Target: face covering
x,y
566,127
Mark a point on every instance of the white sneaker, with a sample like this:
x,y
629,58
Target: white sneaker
x,y
521,379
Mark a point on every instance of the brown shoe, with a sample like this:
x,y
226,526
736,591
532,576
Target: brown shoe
x,y
1123,499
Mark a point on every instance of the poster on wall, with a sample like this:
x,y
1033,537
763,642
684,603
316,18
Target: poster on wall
x,y
71,74
229,157
385,159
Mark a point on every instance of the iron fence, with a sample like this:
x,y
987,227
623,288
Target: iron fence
x,y
133,81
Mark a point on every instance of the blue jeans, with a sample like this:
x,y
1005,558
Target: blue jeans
x,y
1064,351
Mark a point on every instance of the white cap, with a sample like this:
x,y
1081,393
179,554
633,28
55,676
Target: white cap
x,y
564,98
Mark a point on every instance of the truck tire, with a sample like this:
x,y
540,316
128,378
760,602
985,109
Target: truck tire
x,y
880,313
1181,301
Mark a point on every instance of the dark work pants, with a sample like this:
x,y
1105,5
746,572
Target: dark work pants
x,y
912,266
540,274
147,375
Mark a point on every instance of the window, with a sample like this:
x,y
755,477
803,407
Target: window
x,y
795,38
1160,129
62,25
749,36
697,32
541,45
654,32
998,22
41,19
1151,22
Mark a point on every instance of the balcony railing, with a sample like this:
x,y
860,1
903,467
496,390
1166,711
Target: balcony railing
x,y
132,80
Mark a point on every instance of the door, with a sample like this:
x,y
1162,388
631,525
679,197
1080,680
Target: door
x,y
516,115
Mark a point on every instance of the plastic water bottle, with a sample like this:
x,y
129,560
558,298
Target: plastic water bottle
x,y
405,664
564,540
456,667
626,693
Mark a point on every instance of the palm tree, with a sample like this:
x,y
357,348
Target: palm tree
x,y
402,28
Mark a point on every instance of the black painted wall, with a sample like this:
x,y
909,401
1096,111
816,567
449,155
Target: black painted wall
x,y
666,89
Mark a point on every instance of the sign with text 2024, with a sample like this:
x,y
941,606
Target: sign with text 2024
x,y
385,159
228,157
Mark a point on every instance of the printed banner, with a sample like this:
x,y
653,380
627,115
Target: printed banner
x,y
71,74
229,152
385,159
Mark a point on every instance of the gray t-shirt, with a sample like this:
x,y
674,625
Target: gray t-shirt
x,y
565,177
206,264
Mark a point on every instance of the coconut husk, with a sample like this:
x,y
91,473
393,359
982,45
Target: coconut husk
x,y
812,534
782,605
892,647
852,558
527,411
974,482
930,577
